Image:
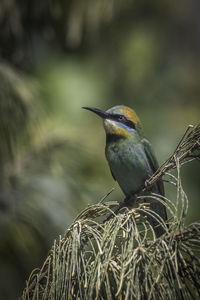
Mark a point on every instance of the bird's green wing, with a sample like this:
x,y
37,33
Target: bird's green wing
x,y
153,162
112,174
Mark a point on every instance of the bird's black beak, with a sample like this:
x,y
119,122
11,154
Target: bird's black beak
x,y
99,112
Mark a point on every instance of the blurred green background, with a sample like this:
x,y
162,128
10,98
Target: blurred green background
x,y
57,56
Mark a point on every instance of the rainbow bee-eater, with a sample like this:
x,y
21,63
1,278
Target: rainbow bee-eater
x,y
130,157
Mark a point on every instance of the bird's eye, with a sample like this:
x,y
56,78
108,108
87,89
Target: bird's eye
x,y
121,118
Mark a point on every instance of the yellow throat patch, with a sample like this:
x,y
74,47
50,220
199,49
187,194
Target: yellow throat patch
x,y
111,127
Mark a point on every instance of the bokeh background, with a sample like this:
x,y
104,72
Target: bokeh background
x,y
57,56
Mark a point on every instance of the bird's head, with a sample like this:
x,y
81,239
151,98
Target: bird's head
x,y
119,120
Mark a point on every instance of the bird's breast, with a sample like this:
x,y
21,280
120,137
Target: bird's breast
x,y
129,165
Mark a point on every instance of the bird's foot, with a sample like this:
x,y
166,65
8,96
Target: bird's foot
x,y
129,200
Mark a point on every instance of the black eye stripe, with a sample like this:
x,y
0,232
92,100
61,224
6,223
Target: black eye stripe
x,y
130,124
122,119
119,118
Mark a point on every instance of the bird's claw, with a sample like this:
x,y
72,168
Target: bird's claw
x,y
127,200
130,200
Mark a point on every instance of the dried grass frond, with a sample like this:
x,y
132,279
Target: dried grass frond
x,y
111,252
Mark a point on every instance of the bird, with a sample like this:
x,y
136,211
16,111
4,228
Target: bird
x,y
131,159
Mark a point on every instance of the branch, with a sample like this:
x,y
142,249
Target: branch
x,y
188,145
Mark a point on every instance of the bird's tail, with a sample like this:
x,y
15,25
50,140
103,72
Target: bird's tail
x,y
156,213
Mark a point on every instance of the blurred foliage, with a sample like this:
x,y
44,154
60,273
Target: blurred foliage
x,y
57,56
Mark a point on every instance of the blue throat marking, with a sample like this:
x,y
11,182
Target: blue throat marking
x,y
125,126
